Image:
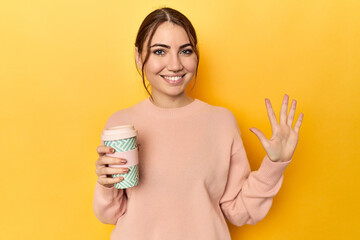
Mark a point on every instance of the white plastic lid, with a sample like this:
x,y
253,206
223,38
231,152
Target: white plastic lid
x,y
118,132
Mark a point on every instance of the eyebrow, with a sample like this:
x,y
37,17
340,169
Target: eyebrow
x,y
166,46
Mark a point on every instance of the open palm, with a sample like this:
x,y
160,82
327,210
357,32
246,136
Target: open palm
x,y
281,146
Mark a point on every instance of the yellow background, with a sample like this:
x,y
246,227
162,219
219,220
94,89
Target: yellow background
x,y
66,66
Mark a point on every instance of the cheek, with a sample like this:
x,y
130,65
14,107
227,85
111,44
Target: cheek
x,y
154,67
190,64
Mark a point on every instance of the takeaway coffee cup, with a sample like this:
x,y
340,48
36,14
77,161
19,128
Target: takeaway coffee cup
x,y
123,140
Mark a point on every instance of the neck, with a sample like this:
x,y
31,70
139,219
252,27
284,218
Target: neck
x,y
171,102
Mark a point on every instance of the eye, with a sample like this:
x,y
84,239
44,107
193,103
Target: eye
x,y
187,51
159,52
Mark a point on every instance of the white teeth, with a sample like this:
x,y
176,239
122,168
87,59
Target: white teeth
x,y
173,78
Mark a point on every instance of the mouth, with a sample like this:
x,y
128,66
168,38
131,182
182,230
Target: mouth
x,y
173,80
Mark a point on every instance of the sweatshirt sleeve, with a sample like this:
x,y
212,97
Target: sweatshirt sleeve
x,y
248,195
109,203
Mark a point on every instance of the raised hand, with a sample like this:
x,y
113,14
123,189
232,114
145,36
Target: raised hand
x,y
281,146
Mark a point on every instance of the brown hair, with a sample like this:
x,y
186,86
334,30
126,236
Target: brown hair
x,y
152,22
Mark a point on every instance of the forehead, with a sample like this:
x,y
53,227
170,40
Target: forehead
x,y
170,34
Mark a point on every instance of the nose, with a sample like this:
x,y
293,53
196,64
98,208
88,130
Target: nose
x,y
174,63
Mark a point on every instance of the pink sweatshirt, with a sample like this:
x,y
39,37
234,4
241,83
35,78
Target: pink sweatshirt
x,y
194,173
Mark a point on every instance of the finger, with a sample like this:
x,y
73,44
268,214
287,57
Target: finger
x,y
284,107
109,170
110,160
298,123
102,150
271,114
260,136
291,113
109,180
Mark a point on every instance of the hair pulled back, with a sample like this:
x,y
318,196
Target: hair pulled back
x,y
152,22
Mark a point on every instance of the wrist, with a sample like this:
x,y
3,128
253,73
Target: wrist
x,y
279,159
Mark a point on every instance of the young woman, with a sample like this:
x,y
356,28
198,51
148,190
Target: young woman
x,y
194,172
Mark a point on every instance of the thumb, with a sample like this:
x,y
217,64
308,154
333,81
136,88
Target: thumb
x,y
260,136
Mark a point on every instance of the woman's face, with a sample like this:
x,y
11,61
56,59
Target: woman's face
x,y
172,62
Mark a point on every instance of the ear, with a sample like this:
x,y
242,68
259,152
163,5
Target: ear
x,y
138,58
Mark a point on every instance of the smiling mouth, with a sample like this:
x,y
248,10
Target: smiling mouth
x,y
172,78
